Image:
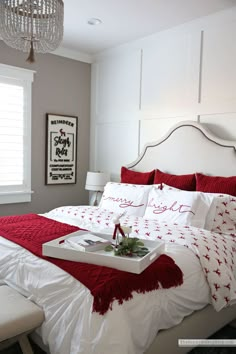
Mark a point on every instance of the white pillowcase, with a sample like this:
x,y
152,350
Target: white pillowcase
x,y
170,188
178,206
129,198
222,214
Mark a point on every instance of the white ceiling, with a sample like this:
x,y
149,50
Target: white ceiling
x,y
127,20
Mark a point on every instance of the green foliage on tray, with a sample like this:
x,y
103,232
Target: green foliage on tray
x,y
130,247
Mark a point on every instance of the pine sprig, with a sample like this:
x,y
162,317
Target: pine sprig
x,y
129,247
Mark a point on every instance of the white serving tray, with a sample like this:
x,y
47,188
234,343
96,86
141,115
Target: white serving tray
x,y
56,249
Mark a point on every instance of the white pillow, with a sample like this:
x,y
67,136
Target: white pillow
x,y
170,188
222,214
122,197
178,206
209,221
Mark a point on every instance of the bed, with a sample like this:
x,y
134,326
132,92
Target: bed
x,y
154,321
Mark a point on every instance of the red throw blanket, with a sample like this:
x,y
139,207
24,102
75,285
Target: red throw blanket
x,y
105,284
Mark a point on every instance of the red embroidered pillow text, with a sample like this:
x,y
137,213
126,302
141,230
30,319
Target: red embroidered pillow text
x,y
176,206
121,197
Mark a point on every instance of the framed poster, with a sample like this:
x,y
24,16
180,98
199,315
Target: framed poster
x,y
61,149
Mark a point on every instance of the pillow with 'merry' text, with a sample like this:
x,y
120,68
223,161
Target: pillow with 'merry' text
x,y
129,198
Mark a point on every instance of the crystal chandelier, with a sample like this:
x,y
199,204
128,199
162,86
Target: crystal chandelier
x,y
32,25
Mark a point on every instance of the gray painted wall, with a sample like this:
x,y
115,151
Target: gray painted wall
x,y
61,86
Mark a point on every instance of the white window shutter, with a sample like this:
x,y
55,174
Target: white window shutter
x,y
15,134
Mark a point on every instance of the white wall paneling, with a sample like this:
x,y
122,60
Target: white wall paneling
x,y
143,88
222,124
218,92
116,145
170,74
118,86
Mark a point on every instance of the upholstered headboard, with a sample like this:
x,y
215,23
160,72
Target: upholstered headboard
x,y
189,147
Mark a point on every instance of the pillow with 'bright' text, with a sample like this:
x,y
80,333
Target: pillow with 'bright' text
x,y
177,206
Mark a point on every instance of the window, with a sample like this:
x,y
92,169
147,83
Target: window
x,y
15,134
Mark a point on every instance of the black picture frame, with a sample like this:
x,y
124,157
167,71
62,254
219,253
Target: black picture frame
x,y
61,149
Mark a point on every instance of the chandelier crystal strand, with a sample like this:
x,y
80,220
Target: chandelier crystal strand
x,y
32,25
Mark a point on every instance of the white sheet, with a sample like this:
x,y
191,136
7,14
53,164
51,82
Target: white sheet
x,y
70,327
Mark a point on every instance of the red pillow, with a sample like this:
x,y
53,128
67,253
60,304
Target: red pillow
x,y
134,177
216,184
185,182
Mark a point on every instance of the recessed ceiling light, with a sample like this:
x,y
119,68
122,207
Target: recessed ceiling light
x,y
94,21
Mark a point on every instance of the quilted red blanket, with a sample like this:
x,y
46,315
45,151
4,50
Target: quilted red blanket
x,y
105,284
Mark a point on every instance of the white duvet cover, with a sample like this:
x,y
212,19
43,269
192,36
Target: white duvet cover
x,y
70,327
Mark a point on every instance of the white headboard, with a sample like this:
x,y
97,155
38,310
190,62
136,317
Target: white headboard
x,y
189,147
